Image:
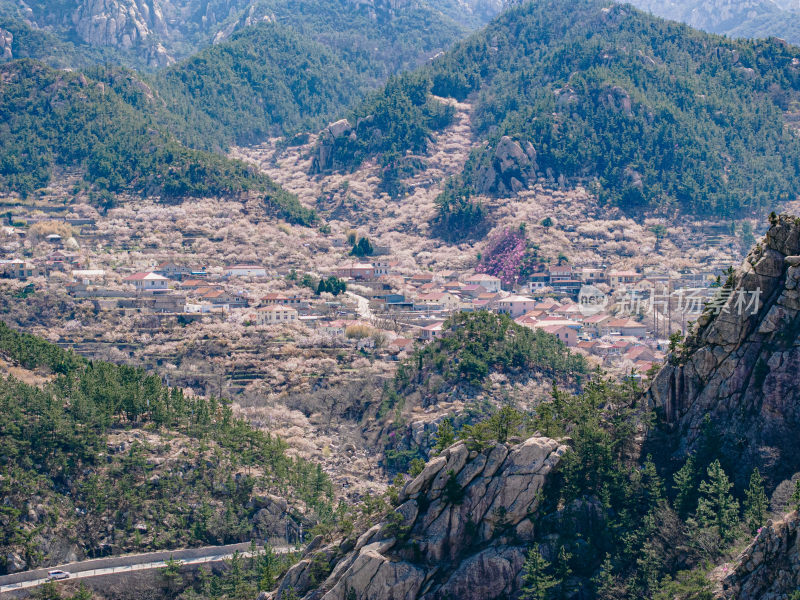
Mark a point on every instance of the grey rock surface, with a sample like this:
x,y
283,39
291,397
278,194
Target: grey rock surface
x,y
741,368
468,545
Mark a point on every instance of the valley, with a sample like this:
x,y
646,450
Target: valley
x,y
416,300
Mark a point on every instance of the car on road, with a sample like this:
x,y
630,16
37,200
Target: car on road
x,y
57,574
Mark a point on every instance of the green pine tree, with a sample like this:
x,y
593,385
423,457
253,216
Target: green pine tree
x,y
755,502
605,584
537,582
445,435
563,572
685,487
716,507
796,497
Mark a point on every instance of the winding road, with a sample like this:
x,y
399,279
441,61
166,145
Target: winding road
x,y
364,310
128,563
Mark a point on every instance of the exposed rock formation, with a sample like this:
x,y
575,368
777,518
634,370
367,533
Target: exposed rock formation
x,y
509,170
323,160
5,44
740,368
769,568
459,531
120,23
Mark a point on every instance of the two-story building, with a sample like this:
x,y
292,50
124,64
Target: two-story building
x,y
490,283
276,313
515,306
618,279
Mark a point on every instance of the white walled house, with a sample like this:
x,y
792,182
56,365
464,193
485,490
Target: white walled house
x,y
275,313
516,306
431,332
488,282
149,283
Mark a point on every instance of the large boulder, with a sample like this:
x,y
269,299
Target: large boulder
x,y
459,531
509,169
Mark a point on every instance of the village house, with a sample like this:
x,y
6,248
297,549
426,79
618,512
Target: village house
x,y
222,297
448,276
472,291
626,327
202,307
593,324
431,332
621,344
437,300
401,344
642,353
356,270
168,303
621,278
193,284
593,275
547,304
569,310
515,306
245,271
63,260
148,283
275,313
529,318
18,269
430,287
418,279
333,328
539,280
486,301
488,282
383,267
296,302
54,239
171,270
560,273
566,334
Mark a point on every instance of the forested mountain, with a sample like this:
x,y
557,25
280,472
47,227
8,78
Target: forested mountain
x,y
266,80
388,34
651,114
734,18
104,459
51,119
20,40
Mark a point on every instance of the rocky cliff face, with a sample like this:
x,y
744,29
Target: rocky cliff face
x,y
6,40
151,29
124,24
460,531
769,568
735,18
740,367
511,168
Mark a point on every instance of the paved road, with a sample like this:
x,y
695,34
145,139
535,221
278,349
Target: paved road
x,y
363,306
128,563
